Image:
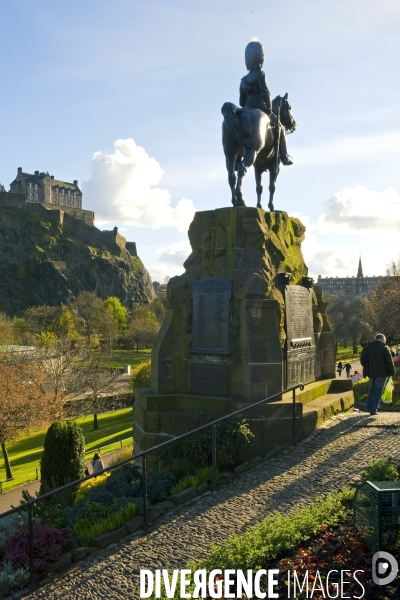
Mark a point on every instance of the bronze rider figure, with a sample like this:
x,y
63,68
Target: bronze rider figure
x,y
254,92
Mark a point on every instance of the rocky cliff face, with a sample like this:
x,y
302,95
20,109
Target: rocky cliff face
x,y
41,264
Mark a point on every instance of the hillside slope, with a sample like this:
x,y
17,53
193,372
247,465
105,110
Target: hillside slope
x,y
42,264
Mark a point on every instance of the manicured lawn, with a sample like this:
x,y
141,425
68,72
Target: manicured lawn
x,y
121,358
115,427
345,353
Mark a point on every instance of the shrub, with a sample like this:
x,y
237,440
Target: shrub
x,y
141,376
48,545
10,525
275,534
122,487
232,436
380,470
159,486
126,481
88,529
88,485
204,474
16,578
63,456
51,510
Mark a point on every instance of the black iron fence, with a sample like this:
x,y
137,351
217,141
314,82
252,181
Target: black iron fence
x,y
28,506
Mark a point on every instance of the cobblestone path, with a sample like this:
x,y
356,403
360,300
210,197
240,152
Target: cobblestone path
x,y
325,462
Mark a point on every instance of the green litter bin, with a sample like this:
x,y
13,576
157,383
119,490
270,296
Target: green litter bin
x,y
377,513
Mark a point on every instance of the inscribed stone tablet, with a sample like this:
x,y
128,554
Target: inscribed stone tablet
x,y
300,341
211,315
208,379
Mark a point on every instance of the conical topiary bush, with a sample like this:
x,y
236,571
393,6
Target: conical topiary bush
x,y
63,458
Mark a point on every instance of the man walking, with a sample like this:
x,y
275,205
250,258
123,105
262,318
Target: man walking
x,y
378,366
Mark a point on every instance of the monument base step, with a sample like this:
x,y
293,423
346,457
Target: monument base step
x,y
159,417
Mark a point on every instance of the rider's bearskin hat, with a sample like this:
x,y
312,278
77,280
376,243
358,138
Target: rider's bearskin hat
x,y
253,55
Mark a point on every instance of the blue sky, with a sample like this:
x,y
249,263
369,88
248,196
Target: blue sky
x,y
125,96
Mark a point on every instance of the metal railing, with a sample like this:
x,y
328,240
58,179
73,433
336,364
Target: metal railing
x,y
36,470
143,455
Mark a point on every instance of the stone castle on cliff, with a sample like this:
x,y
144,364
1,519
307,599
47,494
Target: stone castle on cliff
x,y
63,202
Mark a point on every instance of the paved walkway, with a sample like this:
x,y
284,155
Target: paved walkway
x,y
325,462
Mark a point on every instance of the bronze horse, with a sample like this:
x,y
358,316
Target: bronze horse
x,y
250,137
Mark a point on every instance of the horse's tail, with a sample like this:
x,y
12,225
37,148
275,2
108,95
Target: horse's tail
x,y
230,113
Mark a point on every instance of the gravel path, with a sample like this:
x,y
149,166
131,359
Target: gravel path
x,y
325,462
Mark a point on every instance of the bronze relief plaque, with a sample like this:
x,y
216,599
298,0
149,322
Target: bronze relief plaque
x,y
211,315
300,343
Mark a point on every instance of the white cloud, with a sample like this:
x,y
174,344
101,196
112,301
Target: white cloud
x,y
175,254
122,188
327,259
171,259
358,210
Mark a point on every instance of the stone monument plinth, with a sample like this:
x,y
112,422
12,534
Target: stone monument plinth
x,y
235,331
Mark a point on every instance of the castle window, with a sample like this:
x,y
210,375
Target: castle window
x,y
30,194
30,186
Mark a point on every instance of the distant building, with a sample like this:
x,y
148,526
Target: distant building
x,y
43,188
160,288
360,285
62,202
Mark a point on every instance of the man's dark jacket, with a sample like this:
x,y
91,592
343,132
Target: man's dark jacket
x,y
376,360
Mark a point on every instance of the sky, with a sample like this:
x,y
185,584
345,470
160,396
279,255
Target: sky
x,y
125,96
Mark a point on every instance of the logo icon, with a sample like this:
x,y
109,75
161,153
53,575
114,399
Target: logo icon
x,y
384,568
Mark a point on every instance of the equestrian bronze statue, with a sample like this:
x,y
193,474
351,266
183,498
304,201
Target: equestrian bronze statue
x,y
255,133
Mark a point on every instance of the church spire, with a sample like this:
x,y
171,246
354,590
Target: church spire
x,y
360,271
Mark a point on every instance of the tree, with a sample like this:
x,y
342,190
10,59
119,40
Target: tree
x,y
63,458
39,318
73,376
119,312
142,329
351,319
393,268
108,328
98,384
88,308
23,404
158,309
6,330
58,320
385,308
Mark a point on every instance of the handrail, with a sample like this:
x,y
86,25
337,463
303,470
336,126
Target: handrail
x,y
30,503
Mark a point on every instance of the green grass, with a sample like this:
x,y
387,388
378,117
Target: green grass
x,y
121,358
345,353
89,529
114,427
204,474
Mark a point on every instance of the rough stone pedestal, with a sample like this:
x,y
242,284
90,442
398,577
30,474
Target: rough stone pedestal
x,y
249,248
